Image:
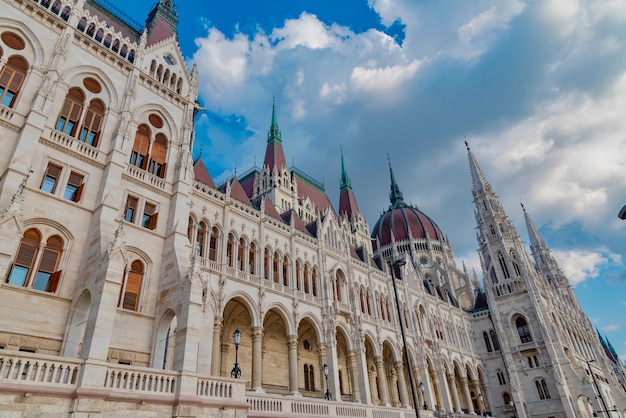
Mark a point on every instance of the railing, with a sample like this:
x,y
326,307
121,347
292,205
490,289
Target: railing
x,y
264,405
74,144
144,176
6,113
36,369
140,379
213,388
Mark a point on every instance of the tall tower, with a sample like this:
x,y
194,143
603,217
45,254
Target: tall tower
x,y
519,307
349,214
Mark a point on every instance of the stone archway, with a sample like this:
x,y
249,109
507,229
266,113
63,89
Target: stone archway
x,y
236,316
275,353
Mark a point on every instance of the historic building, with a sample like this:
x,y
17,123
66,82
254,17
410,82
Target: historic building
x,y
132,285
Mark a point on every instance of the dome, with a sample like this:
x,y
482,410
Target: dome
x,y
404,221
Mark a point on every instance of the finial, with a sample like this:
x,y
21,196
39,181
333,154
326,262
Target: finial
x,y
20,190
395,196
466,144
201,148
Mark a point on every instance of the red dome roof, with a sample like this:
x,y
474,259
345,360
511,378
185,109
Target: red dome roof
x,y
405,222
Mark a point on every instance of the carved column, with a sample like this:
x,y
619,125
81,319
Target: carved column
x,y
402,391
257,359
382,381
292,344
354,378
373,387
216,354
453,392
476,388
468,396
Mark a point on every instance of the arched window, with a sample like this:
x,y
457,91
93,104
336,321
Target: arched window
x,y
131,288
362,302
90,132
306,377
340,382
190,225
71,111
213,243
487,342
157,157
46,276
99,35
285,271
241,253
266,263
298,268
201,239
369,304
314,281
542,389
501,378
230,250
311,378
515,266
505,269
506,398
139,156
275,262
252,258
523,330
306,278
494,340
11,79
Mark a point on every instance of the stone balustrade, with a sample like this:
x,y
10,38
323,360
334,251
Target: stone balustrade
x,y
28,368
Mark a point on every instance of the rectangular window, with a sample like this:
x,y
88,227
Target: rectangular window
x,y
74,188
50,179
130,209
149,216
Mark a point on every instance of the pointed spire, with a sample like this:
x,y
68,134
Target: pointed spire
x,y
536,242
479,182
274,133
345,180
395,196
274,155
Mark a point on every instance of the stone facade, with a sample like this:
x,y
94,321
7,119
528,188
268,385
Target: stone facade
x,y
126,270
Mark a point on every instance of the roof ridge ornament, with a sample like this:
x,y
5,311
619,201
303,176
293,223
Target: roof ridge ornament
x,y
395,196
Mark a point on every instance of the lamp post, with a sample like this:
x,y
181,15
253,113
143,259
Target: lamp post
x,y
328,396
513,406
423,396
396,265
482,404
236,372
593,376
593,411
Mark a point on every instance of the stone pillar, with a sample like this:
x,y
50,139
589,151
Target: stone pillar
x,y
402,392
224,369
216,355
476,388
373,387
321,353
354,378
382,381
453,392
468,396
257,359
292,344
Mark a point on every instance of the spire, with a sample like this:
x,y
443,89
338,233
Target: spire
x,y
395,196
345,180
536,242
347,201
274,155
162,21
479,182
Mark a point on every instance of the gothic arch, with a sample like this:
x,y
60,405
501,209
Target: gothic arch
x,y
36,60
75,76
284,313
77,323
170,127
162,357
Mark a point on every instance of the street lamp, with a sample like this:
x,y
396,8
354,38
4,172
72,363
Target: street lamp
x,y
593,411
328,396
482,404
236,372
593,376
512,406
423,397
396,265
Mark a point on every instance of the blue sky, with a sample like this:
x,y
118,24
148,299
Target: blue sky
x,y
537,88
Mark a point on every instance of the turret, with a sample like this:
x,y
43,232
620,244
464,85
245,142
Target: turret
x,y
161,22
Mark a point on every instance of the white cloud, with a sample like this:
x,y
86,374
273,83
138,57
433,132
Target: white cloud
x,y
611,327
309,32
580,265
383,79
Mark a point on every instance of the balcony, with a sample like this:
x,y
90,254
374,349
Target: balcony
x,y
73,144
145,177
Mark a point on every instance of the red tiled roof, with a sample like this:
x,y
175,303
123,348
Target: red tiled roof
x,y
297,222
401,219
317,196
247,184
274,155
202,174
238,192
159,31
347,203
109,16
